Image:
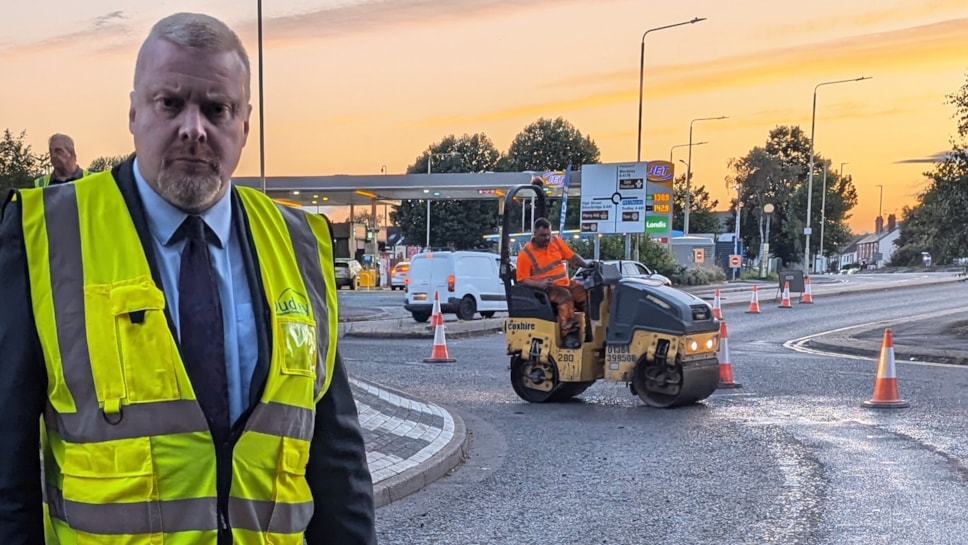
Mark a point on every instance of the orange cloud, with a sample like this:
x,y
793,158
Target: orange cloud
x,y
111,32
893,51
371,15
902,12
113,24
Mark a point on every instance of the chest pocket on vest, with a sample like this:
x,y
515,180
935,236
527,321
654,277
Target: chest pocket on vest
x,y
297,360
133,350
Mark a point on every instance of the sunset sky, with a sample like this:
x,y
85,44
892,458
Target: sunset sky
x,y
352,85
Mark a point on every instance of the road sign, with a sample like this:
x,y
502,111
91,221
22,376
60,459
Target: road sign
x,y
613,198
698,255
735,261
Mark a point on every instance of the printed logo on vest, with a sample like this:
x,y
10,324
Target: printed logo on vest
x,y
291,303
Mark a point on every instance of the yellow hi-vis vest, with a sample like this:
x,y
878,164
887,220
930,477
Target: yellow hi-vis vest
x,y
44,180
128,455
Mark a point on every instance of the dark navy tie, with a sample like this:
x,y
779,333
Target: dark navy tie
x,y
200,325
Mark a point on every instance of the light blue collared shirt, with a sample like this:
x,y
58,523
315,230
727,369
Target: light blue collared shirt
x,y
238,318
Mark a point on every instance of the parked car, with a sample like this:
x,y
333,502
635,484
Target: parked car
x,y
466,283
347,272
398,275
634,269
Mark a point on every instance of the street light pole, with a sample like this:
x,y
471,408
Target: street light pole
x,y
688,205
813,123
262,125
638,154
682,146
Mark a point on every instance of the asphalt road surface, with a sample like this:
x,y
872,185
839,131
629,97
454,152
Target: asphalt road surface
x,y
790,458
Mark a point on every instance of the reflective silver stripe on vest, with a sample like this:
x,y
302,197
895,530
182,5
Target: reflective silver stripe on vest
x,y
307,257
282,420
268,516
137,420
196,514
536,270
67,290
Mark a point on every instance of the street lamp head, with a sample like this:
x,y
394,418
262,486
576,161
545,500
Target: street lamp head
x,y
707,119
696,20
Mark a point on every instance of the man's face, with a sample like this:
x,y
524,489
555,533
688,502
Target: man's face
x,y
62,157
190,120
541,237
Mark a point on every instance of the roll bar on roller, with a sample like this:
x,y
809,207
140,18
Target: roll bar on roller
x,y
540,211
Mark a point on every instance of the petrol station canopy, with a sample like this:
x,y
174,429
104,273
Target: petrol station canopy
x,y
362,190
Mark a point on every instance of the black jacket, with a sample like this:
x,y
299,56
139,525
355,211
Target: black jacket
x,y
337,472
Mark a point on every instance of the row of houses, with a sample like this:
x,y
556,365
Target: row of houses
x,y
871,251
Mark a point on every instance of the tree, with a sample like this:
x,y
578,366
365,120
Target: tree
x,y
550,145
777,173
18,164
936,223
702,218
457,224
959,100
106,162
764,179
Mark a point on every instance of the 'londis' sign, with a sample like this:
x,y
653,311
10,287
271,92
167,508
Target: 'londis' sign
x,y
656,225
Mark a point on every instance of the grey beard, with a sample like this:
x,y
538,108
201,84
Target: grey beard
x,y
190,194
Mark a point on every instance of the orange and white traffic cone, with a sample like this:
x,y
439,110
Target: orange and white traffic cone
x,y
725,368
439,352
717,306
807,297
885,387
785,301
754,302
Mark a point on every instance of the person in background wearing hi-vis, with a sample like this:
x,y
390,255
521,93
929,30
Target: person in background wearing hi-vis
x,y
178,334
541,265
64,160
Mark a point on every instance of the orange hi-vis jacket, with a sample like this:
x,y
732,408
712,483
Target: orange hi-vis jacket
x,y
536,264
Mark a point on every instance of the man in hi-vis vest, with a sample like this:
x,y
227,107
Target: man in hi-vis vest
x,y
177,335
64,160
541,265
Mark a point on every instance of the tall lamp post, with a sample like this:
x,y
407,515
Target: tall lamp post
x,y
813,124
688,205
430,159
638,153
682,146
262,124
638,146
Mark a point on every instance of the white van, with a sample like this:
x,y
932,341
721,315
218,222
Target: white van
x,y
466,283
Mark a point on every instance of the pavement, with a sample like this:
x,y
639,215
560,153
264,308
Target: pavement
x,y
411,443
